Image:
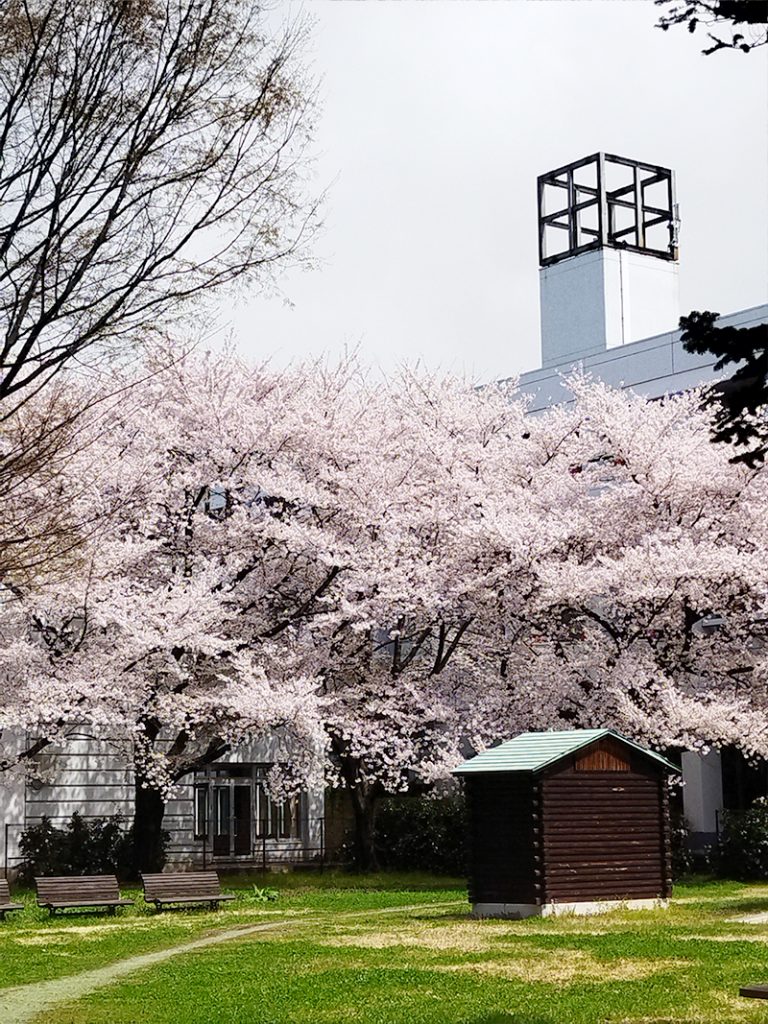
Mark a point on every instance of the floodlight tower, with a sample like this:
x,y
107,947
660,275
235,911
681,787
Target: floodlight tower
x,y
608,255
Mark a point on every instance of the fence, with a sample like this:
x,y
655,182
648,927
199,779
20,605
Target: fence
x,y
15,828
265,848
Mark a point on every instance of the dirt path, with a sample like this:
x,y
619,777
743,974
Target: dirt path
x,y
23,1004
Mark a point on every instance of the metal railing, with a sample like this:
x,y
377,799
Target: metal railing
x,y
266,848
17,858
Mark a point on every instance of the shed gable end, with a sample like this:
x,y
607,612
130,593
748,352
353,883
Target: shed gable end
x,y
606,756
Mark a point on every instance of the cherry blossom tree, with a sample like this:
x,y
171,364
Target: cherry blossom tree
x,y
651,614
52,505
162,632
392,574
289,547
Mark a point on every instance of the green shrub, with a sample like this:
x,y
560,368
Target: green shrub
x,y
683,861
742,851
422,834
83,847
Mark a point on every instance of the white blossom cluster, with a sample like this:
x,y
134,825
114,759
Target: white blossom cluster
x,y
392,574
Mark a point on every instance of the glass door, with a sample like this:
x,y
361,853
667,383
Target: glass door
x,y
242,793
233,811
222,818
232,817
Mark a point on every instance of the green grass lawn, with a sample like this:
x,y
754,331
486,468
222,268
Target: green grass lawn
x,y
348,949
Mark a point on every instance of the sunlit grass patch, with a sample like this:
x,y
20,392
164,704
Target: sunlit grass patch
x,y
364,956
566,967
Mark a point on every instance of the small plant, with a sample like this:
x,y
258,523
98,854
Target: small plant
x,y
264,895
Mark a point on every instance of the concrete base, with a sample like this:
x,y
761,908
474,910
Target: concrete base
x,y
519,910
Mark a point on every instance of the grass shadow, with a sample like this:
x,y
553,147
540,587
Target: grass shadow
x,y
383,881
516,1018
745,906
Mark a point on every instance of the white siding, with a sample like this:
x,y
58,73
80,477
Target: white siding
x,y
86,774
654,366
92,775
11,804
183,848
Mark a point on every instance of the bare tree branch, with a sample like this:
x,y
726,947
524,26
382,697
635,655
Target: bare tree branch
x,y
150,152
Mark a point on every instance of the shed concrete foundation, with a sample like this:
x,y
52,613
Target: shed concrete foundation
x,y
581,909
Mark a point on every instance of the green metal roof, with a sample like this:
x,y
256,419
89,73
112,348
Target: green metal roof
x,y
532,751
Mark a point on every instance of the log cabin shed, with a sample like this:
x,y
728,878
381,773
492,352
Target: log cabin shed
x,y
567,822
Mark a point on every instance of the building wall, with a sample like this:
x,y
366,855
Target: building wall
x,y
604,299
653,366
92,775
702,795
87,774
604,834
502,810
185,850
11,803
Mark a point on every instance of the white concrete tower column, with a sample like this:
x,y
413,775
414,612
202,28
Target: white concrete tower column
x,y
702,795
608,256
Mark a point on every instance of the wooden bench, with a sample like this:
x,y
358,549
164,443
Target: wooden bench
x,y
79,891
183,887
754,992
5,900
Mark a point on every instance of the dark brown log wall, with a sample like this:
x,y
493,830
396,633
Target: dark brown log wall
x,y
604,834
503,832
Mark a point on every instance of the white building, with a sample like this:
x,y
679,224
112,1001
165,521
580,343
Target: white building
x,y
608,255
219,817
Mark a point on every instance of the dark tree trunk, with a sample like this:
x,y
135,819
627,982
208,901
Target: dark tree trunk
x,y
363,797
148,835
364,807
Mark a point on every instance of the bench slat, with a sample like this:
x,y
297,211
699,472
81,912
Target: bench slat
x,y
6,903
754,991
89,903
183,887
60,892
191,899
206,886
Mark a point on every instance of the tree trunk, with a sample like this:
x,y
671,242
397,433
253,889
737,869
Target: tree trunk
x,y
363,798
149,808
364,807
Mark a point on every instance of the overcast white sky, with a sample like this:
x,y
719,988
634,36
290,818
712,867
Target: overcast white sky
x,y
437,118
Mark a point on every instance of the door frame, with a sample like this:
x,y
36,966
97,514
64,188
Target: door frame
x,y
231,783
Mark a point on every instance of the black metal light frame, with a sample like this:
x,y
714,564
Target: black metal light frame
x,y
580,197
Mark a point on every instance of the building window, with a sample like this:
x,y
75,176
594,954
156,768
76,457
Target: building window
x,y
201,810
275,819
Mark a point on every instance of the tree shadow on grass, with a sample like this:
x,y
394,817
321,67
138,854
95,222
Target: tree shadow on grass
x,y
512,1018
524,1018
743,906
